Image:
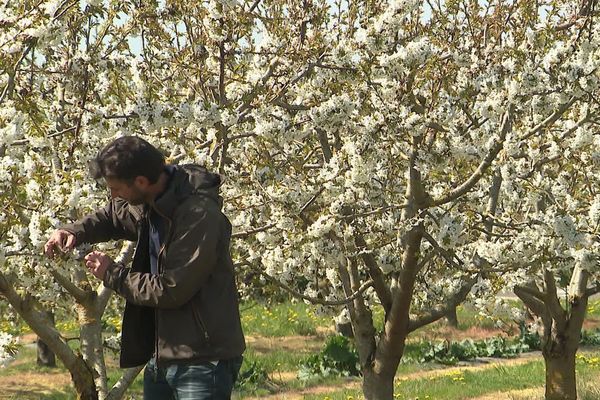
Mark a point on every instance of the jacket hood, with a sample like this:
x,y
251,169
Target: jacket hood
x,y
189,180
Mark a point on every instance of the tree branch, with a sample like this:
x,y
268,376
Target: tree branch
x,y
583,13
80,295
291,107
104,293
311,201
550,120
448,256
552,302
243,235
593,290
376,211
222,98
442,309
531,292
253,6
307,71
256,89
121,386
383,292
313,300
39,323
483,166
536,305
10,85
327,154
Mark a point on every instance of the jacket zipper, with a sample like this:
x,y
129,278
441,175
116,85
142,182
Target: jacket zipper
x,y
201,322
158,263
158,270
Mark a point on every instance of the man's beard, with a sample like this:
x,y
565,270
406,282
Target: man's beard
x,y
137,198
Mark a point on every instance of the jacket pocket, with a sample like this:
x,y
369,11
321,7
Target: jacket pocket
x,y
182,334
200,323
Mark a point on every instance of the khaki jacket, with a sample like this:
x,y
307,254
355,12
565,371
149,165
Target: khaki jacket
x,y
189,312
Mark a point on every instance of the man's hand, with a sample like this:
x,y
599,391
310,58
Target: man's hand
x,y
62,240
98,262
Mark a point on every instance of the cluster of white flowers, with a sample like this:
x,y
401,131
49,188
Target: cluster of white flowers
x,y
451,232
7,343
319,151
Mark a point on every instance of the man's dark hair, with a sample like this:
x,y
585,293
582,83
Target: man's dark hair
x,y
126,158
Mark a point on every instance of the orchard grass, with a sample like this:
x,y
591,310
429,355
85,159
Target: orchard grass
x,y
277,359
282,319
25,363
454,385
464,384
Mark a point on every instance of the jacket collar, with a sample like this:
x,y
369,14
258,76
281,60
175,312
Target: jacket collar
x,y
185,181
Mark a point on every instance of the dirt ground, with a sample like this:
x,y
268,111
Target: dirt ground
x,y
28,385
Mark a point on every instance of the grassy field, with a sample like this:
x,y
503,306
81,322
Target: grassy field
x,y
284,336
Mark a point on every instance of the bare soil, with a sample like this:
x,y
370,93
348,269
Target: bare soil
x,y
529,394
450,333
29,385
266,344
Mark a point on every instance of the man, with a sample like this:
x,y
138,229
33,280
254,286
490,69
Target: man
x,y
181,314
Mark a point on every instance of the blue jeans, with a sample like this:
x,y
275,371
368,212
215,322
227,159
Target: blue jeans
x,y
202,381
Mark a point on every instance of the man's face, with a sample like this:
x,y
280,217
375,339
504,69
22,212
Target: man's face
x,y
134,193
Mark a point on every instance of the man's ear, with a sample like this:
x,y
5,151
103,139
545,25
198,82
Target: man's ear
x,y
141,182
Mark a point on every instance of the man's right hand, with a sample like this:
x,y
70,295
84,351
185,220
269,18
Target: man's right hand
x,y
60,239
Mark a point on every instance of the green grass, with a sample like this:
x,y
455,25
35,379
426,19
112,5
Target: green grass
x,y
277,360
284,319
27,364
464,384
593,309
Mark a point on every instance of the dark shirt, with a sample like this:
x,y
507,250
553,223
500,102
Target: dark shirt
x,y
157,229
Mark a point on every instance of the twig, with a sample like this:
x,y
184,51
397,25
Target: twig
x,y
243,235
314,300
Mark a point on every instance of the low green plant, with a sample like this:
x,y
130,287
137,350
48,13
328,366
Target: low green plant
x,y
253,375
590,338
450,352
338,358
529,337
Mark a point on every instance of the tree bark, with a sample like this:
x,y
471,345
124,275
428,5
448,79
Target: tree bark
x,y
344,329
92,347
377,386
452,318
560,373
81,375
562,329
45,355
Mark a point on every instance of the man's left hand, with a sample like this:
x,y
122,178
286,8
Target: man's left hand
x,y
98,262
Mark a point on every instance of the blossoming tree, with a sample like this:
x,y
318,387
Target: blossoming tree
x,y
376,153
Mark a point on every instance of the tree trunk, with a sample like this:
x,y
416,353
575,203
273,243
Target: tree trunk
x,y
377,386
83,381
560,375
344,329
452,318
562,329
90,335
81,375
45,356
